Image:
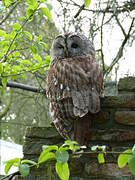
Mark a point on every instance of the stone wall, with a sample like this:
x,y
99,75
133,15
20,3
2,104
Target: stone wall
x,y
114,127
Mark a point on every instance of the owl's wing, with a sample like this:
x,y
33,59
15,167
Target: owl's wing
x,y
79,79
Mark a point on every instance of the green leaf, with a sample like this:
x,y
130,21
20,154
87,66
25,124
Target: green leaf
x,y
42,0
124,157
73,145
26,161
46,154
4,81
46,12
62,170
33,49
131,164
62,156
7,3
133,149
45,157
24,170
10,163
26,62
37,58
1,68
94,148
29,13
2,33
87,3
44,45
28,34
16,27
50,148
32,4
17,54
101,158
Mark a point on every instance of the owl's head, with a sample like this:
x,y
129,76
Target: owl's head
x,y
71,45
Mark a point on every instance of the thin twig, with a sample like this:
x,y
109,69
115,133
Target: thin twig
x,y
10,12
120,25
79,11
102,54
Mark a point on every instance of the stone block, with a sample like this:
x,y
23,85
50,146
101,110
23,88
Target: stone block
x,y
126,84
126,101
109,169
113,135
125,117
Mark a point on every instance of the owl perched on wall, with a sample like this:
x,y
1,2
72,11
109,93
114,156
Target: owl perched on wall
x,y
74,85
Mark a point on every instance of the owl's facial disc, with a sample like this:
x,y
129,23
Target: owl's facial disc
x,y
71,45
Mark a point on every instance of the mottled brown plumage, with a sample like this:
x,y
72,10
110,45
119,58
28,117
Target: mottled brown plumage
x,y
74,86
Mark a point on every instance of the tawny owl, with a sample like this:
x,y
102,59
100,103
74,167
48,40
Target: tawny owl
x,y
74,85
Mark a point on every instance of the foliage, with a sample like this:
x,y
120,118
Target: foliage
x,y
13,62
101,150
60,155
87,2
52,152
127,157
27,64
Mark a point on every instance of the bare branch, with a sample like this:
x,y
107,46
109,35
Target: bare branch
x,y
10,12
102,54
79,11
120,25
24,87
129,6
120,51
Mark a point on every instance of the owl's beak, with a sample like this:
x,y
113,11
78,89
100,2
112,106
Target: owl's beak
x,y
67,53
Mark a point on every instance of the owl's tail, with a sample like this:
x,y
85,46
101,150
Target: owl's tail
x,y
82,129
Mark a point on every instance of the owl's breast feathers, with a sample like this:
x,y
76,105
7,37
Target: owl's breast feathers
x,y
77,84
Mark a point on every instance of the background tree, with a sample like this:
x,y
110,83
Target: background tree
x,y
26,34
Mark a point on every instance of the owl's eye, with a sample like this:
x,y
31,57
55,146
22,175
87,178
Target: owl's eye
x,y
60,46
74,45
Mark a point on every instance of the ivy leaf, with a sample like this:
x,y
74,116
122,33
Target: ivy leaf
x,y
124,157
46,12
26,161
94,148
101,158
62,170
87,3
10,163
24,169
17,27
62,156
46,154
45,157
131,164
73,145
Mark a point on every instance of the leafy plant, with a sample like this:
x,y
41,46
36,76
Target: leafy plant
x,y
12,59
101,150
127,158
53,152
60,155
